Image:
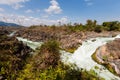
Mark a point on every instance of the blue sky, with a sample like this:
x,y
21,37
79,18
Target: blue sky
x,y
36,12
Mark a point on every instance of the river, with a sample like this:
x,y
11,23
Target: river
x,y
82,56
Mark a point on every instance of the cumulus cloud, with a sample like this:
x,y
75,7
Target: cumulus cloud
x,y
29,11
28,21
2,10
38,10
54,8
16,4
63,20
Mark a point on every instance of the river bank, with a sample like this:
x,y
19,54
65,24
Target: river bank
x,y
68,40
108,55
82,56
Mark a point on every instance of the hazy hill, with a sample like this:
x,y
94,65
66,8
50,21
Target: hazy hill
x,y
8,24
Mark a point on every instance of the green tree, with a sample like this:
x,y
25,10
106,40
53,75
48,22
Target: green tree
x,y
90,25
110,26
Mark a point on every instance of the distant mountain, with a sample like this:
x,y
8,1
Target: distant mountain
x,y
5,24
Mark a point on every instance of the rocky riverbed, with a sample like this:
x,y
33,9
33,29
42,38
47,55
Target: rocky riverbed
x,y
68,40
109,55
72,40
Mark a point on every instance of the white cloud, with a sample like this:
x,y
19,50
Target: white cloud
x,y
29,11
89,2
2,10
28,21
63,20
38,10
54,8
32,11
9,2
16,4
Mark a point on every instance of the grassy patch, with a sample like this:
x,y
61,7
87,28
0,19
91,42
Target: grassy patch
x,y
71,50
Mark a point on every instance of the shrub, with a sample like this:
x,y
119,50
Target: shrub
x,y
48,55
98,29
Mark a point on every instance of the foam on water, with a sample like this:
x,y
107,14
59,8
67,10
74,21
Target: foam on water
x,y
12,34
82,57
31,44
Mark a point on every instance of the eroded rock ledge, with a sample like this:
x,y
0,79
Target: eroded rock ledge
x,y
109,55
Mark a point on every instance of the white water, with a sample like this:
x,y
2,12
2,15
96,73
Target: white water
x,y
82,56
31,44
12,34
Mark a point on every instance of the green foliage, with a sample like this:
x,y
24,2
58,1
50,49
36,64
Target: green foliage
x,y
96,67
60,72
93,26
110,68
90,25
71,50
13,56
41,68
105,58
48,55
111,26
98,29
51,46
107,65
76,27
32,27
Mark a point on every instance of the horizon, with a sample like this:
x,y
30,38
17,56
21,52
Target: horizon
x,y
49,12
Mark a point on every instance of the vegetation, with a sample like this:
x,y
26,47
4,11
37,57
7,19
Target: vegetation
x,y
17,64
43,66
110,68
60,72
13,56
48,55
47,66
89,26
107,65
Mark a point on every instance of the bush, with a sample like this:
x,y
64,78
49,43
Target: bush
x,y
98,29
48,55
13,56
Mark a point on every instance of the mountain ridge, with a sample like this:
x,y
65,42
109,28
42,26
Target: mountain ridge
x,y
6,24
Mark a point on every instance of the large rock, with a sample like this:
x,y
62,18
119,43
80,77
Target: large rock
x,y
110,54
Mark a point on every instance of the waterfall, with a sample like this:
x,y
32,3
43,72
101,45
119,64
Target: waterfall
x,y
82,57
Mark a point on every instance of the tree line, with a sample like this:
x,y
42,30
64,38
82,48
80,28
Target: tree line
x,y
91,25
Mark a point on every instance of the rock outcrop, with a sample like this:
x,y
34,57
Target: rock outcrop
x,y
110,54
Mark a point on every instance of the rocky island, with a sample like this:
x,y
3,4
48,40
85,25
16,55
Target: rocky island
x,y
109,56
